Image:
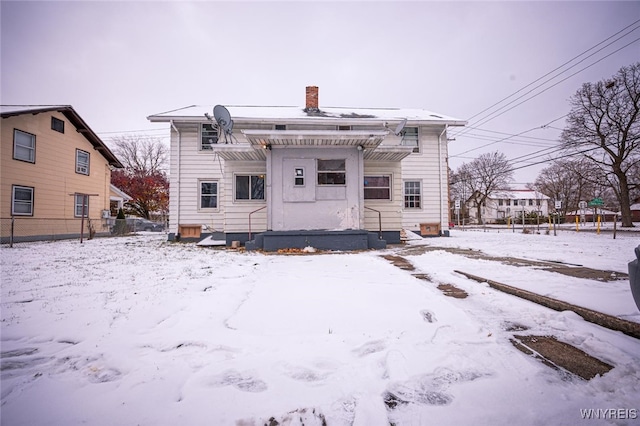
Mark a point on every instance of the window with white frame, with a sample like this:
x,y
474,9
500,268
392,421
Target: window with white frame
x,y
24,146
412,194
81,205
208,194
21,200
208,136
410,138
332,172
249,187
377,187
298,176
500,202
82,162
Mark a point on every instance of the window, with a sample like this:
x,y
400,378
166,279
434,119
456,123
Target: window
x,y
208,137
537,202
412,195
410,138
81,199
332,172
299,176
249,187
530,202
24,146
508,202
280,127
344,127
21,200
208,195
377,187
500,202
57,125
82,162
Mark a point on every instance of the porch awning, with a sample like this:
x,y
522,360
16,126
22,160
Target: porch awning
x,y
240,153
388,153
368,139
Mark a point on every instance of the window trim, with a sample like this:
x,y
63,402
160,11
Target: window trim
x,y
248,200
405,195
201,136
390,187
416,149
217,195
76,205
56,120
33,149
13,200
78,169
319,172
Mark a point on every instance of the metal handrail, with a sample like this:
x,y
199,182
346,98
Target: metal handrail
x,y
379,221
257,210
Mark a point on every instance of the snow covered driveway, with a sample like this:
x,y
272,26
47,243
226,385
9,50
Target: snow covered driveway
x,y
136,330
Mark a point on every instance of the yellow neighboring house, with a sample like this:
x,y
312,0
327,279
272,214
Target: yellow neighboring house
x,y
55,174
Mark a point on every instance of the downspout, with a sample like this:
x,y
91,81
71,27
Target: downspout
x,y
173,126
440,171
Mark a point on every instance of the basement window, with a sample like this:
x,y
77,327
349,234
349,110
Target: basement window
x,y
280,127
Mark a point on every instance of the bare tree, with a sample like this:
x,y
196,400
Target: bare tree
x,y
603,125
144,177
142,155
482,176
569,181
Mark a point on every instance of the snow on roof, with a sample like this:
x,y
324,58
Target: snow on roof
x,y
246,113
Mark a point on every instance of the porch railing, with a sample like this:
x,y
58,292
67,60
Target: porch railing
x,y
255,211
379,221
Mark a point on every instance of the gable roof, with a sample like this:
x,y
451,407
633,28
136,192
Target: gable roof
x,y
289,113
73,117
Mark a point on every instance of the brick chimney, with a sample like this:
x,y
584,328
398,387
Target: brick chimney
x,y
312,98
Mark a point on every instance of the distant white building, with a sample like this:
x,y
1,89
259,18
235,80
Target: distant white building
x,y
504,204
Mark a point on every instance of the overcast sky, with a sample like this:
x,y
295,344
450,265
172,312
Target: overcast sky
x,y
118,62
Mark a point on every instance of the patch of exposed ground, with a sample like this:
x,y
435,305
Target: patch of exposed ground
x,y
448,289
577,271
561,356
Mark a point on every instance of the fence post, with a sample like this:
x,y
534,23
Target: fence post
x,y
11,231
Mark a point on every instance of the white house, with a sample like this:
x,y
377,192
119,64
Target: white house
x,y
512,203
344,178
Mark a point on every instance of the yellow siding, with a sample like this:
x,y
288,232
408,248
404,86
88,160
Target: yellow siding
x,y
390,211
53,174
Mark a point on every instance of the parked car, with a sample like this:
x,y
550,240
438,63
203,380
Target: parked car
x,y
140,224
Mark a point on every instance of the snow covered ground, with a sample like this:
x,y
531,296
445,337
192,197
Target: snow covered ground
x,y
138,331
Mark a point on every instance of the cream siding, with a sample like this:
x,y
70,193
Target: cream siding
x,y
53,175
237,211
431,170
390,210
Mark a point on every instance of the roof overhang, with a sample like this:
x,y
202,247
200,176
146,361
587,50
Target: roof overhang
x,y
75,119
240,153
369,139
388,153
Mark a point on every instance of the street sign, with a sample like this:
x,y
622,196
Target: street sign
x,y
457,204
596,202
582,205
558,205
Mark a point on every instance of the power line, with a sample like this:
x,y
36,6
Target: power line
x,y
493,115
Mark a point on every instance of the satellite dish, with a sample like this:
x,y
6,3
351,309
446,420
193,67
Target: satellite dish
x,y
400,127
223,118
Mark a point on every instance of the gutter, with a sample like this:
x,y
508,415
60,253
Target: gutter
x,y
440,171
173,126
